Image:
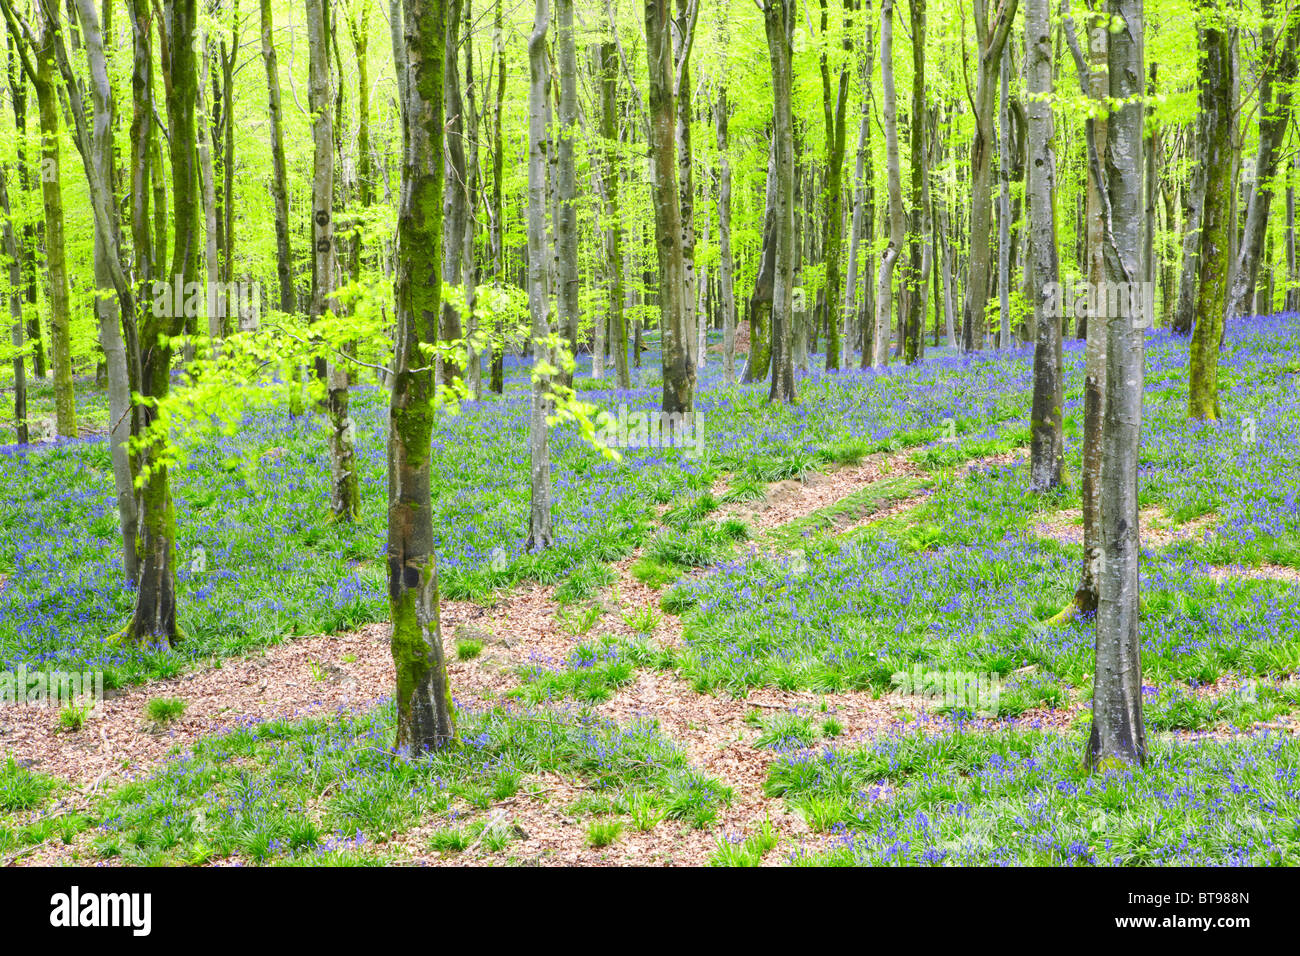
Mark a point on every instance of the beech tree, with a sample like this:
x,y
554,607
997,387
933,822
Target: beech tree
x,y
1118,731
425,717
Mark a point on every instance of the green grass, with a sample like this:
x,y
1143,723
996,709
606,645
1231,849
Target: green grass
x,y
164,710
1021,796
286,791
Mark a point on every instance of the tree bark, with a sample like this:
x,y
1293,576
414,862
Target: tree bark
x,y
540,145
990,36
1047,442
566,224
834,110
16,330
888,259
1118,732
279,172
65,404
425,716
1214,260
726,267
778,21
1277,74
678,369
914,326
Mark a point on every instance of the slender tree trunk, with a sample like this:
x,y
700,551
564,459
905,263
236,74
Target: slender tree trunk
x,y
425,716
107,306
1274,115
834,110
1216,225
211,254
474,366
155,613
914,324
1094,79
884,282
279,172
860,187
760,301
1293,276
1118,732
1004,206
345,500
991,36
566,224
778,21
18,91
65,405
678,370
16,331
683,31
455,207
726,268
1047,443
540,535
498,206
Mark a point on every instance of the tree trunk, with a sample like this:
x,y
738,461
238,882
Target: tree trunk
x,y
154,620
1094,80
1276,75
726,268
566,220
211,254
683,33
345,500
914,324
540,145
107,306
65,404
425,716
1216,224
834,109
16,331
760,300
1117,727
1293,276
498,207
860,189
1047,443
1004,206
990,38
678,370
884,282
279,173
455,207
474,363
18,91
778,21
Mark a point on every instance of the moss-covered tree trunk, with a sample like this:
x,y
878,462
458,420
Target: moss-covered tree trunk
x,y
916,275
425,717
678,369
18,96
1216,217
65,405
607,54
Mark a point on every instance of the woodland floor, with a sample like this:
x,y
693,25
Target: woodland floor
x,y
736,704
